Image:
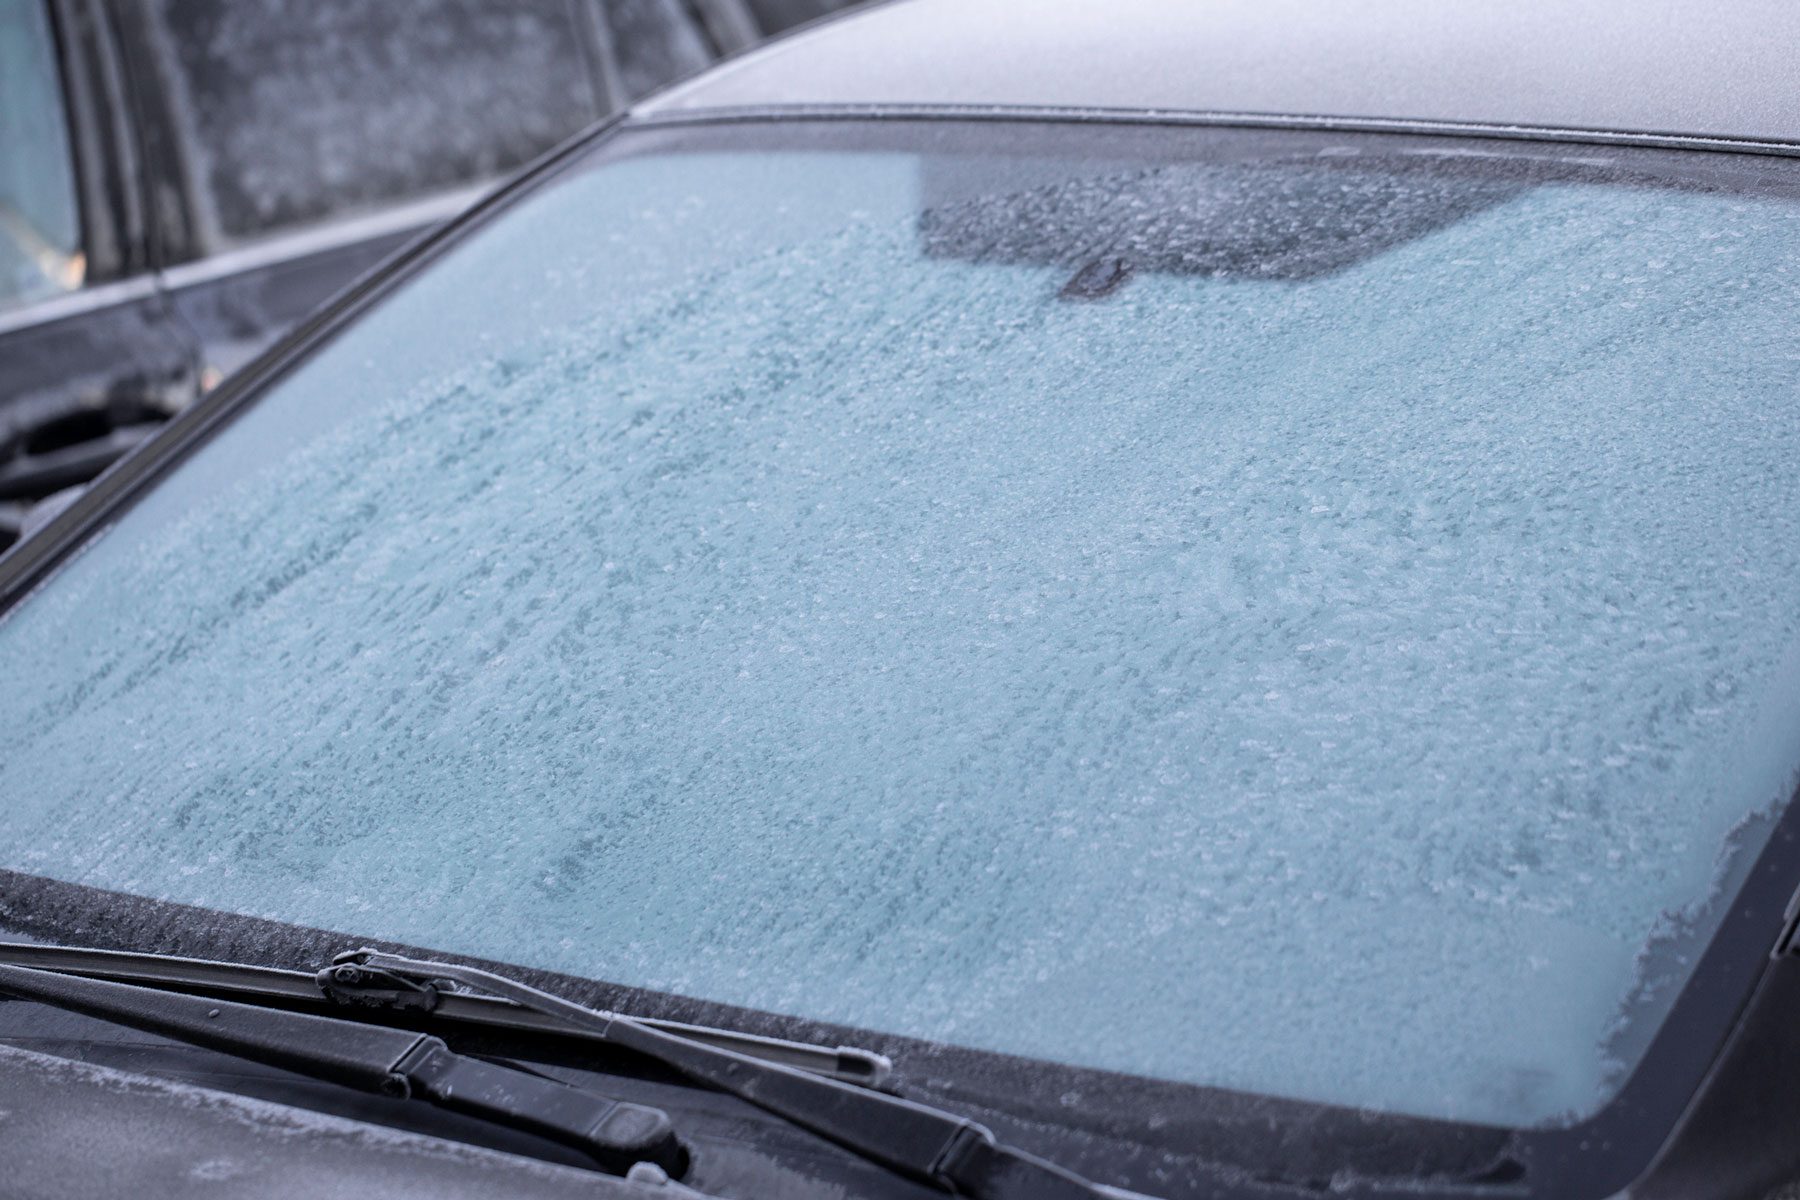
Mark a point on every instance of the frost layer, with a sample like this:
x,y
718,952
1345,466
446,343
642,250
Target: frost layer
x,y
1323,687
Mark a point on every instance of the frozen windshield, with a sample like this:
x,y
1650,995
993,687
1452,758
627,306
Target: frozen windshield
x,y
1314,617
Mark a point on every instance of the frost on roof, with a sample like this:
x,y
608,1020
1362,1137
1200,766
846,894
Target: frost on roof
x,y
1325,687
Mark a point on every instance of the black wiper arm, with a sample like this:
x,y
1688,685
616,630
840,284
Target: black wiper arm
x,y
852,1064
373,1058
930,1144
938,1147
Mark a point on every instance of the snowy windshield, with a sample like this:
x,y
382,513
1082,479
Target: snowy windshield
x,y
1195,613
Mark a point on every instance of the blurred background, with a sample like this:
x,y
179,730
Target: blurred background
x,y
183,181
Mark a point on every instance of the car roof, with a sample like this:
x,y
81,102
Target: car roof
x,y
1678,67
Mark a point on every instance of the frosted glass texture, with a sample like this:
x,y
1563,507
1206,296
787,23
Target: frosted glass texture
x,y
1315,619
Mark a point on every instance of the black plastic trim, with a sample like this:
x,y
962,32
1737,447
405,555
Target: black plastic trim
x,y
650,115
94,148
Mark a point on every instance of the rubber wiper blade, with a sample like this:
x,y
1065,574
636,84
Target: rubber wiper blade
x,y
852,1064
929,1144
373,1058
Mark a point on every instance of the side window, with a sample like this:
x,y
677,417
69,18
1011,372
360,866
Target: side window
x,y
293,113
776,15
40,228
653,42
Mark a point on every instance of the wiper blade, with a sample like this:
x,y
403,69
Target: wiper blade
x,y
930,1144
852,1064
938,1147
374,1058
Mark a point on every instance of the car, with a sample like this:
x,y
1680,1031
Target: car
x,y
1018,600
182,181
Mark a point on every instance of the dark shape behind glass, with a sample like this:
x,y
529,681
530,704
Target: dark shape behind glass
x,y
1275,220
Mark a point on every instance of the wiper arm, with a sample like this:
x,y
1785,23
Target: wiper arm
x,y
373,1058
930,1144
793,1080
851,1064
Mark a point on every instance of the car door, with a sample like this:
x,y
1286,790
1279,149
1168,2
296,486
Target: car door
x,y
91,356
293,147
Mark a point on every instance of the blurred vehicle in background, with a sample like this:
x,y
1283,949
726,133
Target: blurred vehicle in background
x,y
181,181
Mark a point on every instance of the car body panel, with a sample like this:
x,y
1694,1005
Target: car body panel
x,y
156,1138
1507,62
110,358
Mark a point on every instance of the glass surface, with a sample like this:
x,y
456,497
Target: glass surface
x,y
295,113
40,236
1309,615
651,42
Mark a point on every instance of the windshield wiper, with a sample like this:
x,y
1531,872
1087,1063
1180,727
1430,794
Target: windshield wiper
x,y
852,1064
937,1147
929,1144
374,1058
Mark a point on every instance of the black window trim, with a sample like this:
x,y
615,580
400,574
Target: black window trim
x,y
1725,1002
108,150
322,237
